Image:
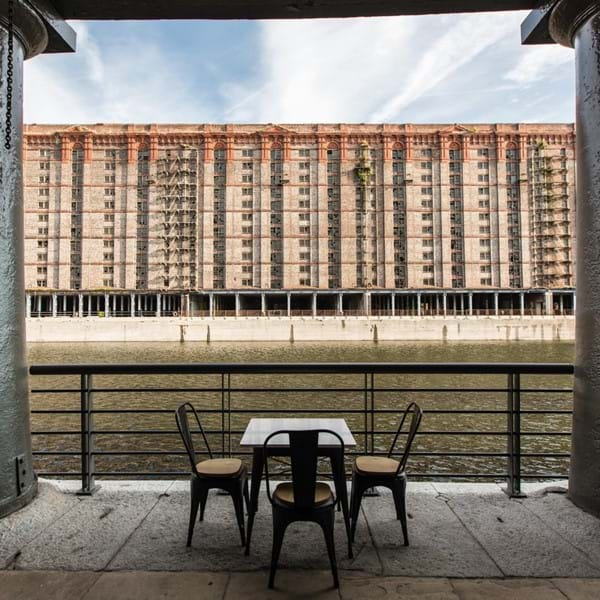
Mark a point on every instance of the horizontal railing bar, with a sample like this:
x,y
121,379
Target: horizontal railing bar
x,y
306,368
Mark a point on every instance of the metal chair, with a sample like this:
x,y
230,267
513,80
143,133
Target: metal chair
x,y
373,471
304,498
228,474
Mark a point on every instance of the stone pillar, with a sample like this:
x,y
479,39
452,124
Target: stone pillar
x,y
470,304
548,308
158,304
577,23
107,305
18,483
393,304
496,304
211,305
314,304
263,304
340,306
132,305
418,304
445,303
289,304
54,304
522,303
237,304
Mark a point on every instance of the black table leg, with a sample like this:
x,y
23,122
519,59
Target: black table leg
x,y
257,470
341,490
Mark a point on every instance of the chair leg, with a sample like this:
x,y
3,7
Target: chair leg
x,y
327,525
280,524
203,497
195,500
399,492
355,500
238,504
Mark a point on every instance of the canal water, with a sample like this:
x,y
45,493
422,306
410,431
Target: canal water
x,y
479,427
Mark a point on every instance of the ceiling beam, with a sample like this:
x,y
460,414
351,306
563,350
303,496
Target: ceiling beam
x,y
273,9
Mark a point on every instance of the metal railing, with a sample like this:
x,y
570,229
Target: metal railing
x,y
506,421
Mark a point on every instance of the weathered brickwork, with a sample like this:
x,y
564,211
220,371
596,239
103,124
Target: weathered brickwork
x,y
186,207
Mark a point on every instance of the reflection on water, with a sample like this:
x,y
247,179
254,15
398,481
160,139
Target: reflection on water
x,y
348,396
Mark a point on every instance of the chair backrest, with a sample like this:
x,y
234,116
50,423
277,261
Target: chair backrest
x,y
416,414
181,417
304,451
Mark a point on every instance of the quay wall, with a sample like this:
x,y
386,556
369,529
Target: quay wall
x,y
297,329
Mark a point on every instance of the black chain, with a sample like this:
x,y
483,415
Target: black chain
x,y
9,77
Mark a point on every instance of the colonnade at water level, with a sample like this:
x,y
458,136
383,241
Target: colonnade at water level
x,y
343,303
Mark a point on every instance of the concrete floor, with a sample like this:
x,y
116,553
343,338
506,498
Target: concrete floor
x,y
469,537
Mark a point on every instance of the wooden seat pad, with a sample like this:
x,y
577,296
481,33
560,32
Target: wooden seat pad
x,y
376,465
284,492
219,467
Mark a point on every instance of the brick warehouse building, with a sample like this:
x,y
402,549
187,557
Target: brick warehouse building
x,y
197,219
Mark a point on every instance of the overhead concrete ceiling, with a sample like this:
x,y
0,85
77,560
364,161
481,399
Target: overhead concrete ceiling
x,y
273,9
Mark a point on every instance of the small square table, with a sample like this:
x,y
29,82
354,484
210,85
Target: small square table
x,y
257,432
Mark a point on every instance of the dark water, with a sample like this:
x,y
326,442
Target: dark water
x,y
349,396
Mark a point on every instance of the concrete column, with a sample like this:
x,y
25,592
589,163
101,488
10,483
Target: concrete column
x,y
211,305
578,24
496,304
158,304
263,304
54,304
522,303
548,308
106,305
574,302
17,481
471,304
340,307
418,304
237,304
560,303
289,304
314,304
27,305
445,303
393,304
132,305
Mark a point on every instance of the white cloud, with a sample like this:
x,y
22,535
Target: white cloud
x,y
537,63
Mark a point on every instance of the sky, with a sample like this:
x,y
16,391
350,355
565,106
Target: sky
x,y
433,69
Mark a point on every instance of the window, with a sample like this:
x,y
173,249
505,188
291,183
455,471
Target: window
x,y
247,178
109,217
427,243
426,152
426,165
43,218
484,216
426,191
486,281
427,255
109,231
109,204
485,243
426,178
109,179
246,165
246,255
110,166
427,216
43,204
304,178
247,191
427,230
304,191
247,229
484,191
44,192
483,177
304,166
45,166
304,153
246,217
246,153
108,256
482,152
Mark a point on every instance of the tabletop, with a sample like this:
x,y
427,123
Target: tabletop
x,y
258,429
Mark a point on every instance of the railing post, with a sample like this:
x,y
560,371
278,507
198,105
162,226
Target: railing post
x,y
88,486
514,436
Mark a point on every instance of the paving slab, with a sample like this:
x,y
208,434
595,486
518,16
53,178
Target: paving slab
x,y
45,585
513,589
579,528
159,586
521,544
21,527
396,588
579,589
159,543
316,585
94,531
440,546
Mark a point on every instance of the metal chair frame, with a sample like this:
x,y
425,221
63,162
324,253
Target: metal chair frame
x,y
396,482
200,484
304,459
